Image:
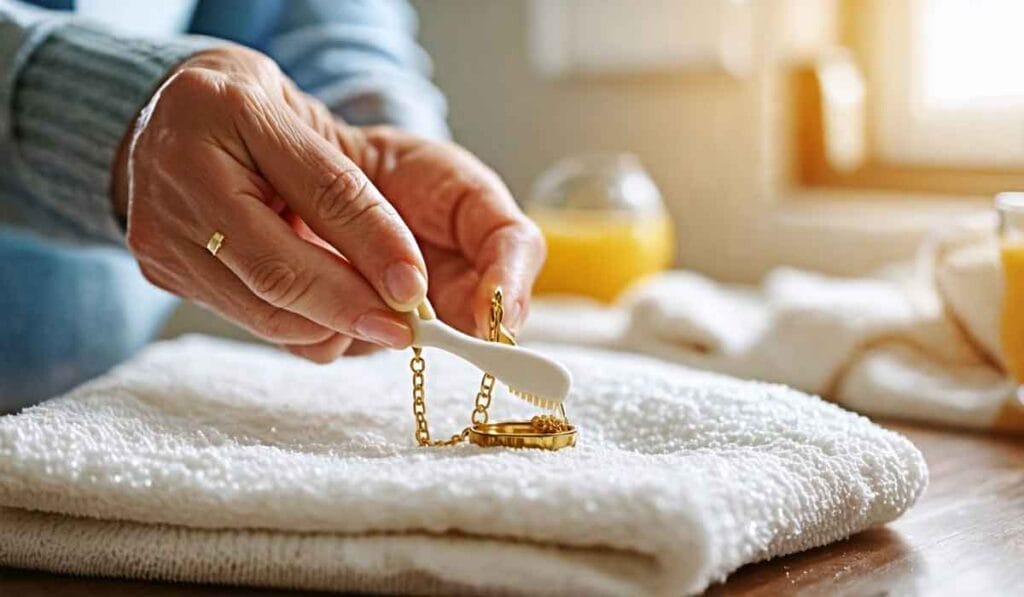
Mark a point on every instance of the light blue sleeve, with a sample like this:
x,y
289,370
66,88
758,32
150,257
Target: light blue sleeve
x,y
69,91
360,57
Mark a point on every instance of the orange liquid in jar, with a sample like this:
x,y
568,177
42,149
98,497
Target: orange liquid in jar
x,y
1012,323
598,254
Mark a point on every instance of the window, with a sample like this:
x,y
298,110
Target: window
x,y
947,77
934,104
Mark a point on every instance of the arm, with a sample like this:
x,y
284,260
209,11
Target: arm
x,y
362,60
313,254
68,94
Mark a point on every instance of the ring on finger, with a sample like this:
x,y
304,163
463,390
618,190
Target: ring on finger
x,y
214,244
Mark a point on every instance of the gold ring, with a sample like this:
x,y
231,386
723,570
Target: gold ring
x,y
213,245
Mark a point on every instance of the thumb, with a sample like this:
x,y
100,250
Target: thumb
x,y
337,200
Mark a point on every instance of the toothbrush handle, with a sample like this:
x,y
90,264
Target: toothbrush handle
x,y
527,371
438,335
425,311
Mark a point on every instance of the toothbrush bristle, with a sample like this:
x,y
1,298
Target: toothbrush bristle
x,y
538,401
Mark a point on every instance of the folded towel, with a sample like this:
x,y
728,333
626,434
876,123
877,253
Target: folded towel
x,y
919,341
202,460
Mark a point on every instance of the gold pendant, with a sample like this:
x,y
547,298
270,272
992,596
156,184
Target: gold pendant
x,y
521,434
544,432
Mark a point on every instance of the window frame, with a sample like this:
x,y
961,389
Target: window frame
x,y
881,170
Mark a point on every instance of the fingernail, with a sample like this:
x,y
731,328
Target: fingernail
x,y
382,329
406,285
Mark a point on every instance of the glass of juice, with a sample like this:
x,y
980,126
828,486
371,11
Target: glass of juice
x,y
1010,207
605,224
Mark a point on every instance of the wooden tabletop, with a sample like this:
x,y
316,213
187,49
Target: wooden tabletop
x,y
965,537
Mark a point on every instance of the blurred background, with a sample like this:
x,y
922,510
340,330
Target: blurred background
x,y
825,134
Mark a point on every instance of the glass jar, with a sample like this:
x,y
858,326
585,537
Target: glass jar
x,y
605,224
1010,207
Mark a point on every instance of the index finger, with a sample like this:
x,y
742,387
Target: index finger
x,y
456,203
510,257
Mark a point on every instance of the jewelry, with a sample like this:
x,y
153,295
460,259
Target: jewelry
x,y
547,431
214,244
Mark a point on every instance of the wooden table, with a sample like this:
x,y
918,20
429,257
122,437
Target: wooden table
x,y
965,537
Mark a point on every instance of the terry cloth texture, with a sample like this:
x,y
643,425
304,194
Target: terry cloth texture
x,y
918,341
203,460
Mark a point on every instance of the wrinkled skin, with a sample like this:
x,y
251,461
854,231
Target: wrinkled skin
x,y
330,230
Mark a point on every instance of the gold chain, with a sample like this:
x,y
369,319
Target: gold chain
x,y
419,404
483,395
495,333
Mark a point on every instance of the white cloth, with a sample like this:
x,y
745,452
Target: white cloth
x,y
204,460
919,341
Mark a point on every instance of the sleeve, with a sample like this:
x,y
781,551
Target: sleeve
x,y
360,57
68,93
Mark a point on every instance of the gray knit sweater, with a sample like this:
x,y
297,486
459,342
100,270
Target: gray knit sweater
x,y
70,90
69,93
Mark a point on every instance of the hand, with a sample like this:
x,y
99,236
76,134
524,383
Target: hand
x,y
469,228
228,144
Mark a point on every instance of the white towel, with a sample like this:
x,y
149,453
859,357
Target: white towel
x,y
202,460
919,341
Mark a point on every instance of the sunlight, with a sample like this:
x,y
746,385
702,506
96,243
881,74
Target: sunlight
x,y
971,53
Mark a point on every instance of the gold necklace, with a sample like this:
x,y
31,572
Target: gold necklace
x,y
547,431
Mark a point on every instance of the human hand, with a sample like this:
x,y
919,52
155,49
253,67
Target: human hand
x,y
469,228
229,145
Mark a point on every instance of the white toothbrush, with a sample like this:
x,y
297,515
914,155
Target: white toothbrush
x,y
529,375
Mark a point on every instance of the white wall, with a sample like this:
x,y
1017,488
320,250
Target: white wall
x,y
700,135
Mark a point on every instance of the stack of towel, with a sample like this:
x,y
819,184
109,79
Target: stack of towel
x,y
918,341
208,461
